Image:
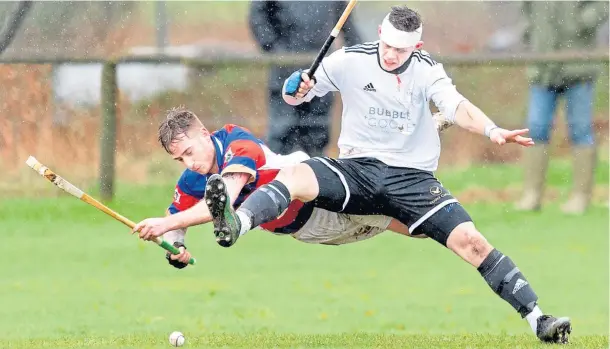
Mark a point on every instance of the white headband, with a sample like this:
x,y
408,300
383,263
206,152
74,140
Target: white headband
x,y
398,38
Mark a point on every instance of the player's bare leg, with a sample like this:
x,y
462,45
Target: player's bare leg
x,y
396,226
507,281
265,204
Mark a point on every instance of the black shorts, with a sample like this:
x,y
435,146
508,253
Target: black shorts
x,y
368,186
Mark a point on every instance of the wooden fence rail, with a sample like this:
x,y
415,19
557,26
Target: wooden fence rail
x,y
109,86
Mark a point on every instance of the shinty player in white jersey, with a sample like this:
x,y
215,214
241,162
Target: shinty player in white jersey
x,y
388,152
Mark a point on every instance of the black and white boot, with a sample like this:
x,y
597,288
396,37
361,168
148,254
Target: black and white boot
x,y
226,222
553,330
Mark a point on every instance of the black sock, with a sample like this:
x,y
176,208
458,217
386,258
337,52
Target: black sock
x,y
508,282
266,203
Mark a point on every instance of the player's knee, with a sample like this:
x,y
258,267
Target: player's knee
x,y
300,181
289,176
469,243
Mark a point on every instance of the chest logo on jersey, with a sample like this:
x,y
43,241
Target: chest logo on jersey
x,y
393,114
228,155
176,196
369,87
381,118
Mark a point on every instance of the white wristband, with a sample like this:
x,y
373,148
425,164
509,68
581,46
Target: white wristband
x,y
489,128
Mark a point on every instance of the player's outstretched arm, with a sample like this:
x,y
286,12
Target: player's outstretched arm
x,y
197,214
458,110
471,118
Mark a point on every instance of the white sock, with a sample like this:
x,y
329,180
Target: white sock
x,y
532,318
245,222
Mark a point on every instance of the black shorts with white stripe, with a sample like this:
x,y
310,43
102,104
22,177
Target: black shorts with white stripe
x,y
368,186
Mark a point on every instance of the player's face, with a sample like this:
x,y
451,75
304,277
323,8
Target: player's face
x,y
195,150
392,57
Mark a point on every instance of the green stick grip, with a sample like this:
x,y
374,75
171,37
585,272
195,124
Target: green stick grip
x,y
173,250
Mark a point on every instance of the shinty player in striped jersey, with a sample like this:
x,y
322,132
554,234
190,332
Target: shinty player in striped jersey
x,y
245,163
389,150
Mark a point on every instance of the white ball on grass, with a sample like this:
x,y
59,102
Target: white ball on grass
x,y
176,339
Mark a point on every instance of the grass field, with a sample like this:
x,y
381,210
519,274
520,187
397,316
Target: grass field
x,y
73,278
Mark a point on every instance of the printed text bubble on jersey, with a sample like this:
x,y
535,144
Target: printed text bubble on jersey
x,y
394,114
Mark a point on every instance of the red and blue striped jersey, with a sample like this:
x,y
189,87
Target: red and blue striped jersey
x,y
239,151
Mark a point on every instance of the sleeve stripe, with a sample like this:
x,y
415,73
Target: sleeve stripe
x,y
363,46
437,80
361,51
329,79
428,59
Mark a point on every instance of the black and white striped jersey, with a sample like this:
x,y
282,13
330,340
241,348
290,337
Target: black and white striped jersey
x,y
386,115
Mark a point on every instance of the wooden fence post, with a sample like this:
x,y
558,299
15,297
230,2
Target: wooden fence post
x,y
108,132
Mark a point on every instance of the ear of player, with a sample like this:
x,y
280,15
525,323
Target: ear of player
x,y
69,188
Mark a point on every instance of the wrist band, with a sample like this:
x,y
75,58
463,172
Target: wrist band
x,y
488,129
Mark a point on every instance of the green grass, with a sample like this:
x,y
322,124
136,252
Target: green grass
x,y
74,278
344,340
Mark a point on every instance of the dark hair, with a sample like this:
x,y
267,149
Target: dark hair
x,y
405,19
178,122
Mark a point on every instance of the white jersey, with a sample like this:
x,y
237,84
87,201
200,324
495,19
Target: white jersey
x,y
387,115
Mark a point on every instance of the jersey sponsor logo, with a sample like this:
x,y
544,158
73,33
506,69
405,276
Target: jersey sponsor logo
x,y
385,119
369,87
394,114
382,123
435,190
394,120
